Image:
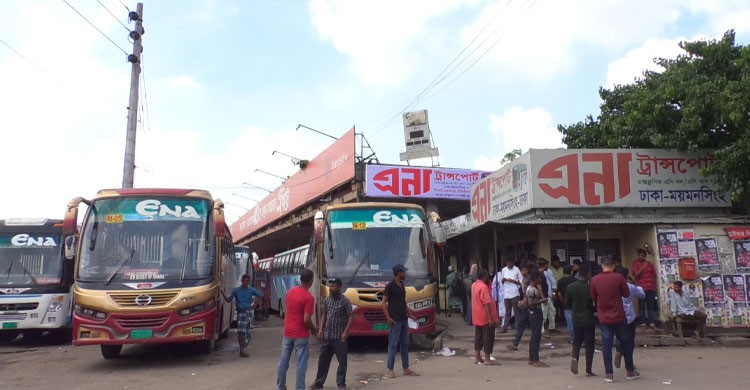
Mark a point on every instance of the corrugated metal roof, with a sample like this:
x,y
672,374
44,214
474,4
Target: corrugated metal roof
x,y
625,220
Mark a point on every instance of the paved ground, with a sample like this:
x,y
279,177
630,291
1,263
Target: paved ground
x,y
26,365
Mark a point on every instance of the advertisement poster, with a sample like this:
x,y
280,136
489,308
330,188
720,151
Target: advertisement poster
x,y
735,289
713,291
708,255
668,252
686,243
742,255
693,291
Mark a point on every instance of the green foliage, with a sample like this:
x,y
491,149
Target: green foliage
x,y
510,156
701,100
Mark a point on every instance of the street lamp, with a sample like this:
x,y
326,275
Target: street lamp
x,y
295,160
236,205
272,174
317,131
245,197
254,186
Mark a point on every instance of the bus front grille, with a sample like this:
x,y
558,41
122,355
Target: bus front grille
x,y
153,322
142,299
375,316
18,306
13,317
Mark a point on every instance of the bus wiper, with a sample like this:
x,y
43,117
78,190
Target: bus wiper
x,y
330,239
127,257
184,261
25,271
354,275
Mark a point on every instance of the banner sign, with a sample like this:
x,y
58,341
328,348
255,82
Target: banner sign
x,y
575,178
738,233
502,194
332,167
389,181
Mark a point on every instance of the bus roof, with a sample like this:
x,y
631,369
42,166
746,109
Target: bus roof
x,y
361,205
303,247
153,191
31,224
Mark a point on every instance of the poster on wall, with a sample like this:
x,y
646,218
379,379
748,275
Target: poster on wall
x,y
742,255
693,291
713,291
714,317
734,288
668,251
708,255
668,274
686,243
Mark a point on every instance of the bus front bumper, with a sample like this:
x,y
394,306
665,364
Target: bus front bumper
x,y
164,327
34,311
371,321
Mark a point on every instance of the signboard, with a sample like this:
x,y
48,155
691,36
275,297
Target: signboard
x,y
388,181
503,193
738,233
623,178
417,136
332,167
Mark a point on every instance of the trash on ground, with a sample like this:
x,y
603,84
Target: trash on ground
x,y
667,382
446,352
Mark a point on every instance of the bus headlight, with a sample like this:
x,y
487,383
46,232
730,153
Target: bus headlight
x,y
85,311
194,309
419,305
56,304
354,308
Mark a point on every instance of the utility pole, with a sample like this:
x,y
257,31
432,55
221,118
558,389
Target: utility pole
x,y
135,73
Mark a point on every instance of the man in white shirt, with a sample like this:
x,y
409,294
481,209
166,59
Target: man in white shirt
x,y
548,310
511,279
681,306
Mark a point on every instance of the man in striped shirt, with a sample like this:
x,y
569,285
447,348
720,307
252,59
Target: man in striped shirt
x,y
334,331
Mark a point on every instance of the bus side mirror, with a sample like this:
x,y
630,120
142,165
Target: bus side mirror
x,y
70,247
319,227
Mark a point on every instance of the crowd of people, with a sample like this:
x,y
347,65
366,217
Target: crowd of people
x,y
539,295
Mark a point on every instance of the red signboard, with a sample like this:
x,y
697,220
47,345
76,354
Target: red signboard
x,y
738,233
332,167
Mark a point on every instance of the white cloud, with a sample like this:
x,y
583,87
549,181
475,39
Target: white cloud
x,y
523,129
186,82
630,67
485,163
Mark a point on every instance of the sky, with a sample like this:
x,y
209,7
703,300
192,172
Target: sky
x,y
226,83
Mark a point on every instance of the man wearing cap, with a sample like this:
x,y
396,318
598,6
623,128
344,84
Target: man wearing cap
x,y
336,320
397,314
644,273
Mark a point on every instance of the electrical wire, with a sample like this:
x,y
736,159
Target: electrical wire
x,y
123,4
113,16
96,28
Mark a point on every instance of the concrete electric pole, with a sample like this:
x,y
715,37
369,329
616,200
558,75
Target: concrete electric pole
x,y
135,59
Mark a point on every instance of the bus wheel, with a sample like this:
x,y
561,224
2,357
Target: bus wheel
x,y
205,347
7,336
111,351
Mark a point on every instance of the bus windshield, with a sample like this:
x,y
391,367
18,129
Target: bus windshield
x,y
136,239
30,259
367,243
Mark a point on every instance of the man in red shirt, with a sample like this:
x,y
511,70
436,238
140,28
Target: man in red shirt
x,y
298,324
484,317
607,290
644,273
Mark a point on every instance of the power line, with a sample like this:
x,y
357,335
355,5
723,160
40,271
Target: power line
x,y
123,4
437,79
52,75
113,16
96,28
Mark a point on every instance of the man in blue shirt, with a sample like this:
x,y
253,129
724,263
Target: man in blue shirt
x,y
244,296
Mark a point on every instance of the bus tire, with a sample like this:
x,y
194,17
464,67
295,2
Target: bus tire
x,y
111,351
7,336
205,347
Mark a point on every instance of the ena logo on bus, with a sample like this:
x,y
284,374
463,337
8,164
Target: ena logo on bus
x,y
385,217
27,240
153,207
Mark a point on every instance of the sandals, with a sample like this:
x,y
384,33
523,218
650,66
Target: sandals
x,y
539,364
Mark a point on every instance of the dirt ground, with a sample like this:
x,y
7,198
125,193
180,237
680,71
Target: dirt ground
x,y
35,365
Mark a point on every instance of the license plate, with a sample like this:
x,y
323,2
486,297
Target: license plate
x,y
141,334
10,325
380,327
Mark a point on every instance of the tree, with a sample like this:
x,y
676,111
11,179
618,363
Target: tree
x,y
510,156
701,99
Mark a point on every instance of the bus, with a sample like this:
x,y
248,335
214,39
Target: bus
x,y
284,269
245,263
35,279
360,243
151,265
262,283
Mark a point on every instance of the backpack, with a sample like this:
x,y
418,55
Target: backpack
x,y
457,286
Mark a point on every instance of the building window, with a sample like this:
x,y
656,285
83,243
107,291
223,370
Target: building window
x,y
593,251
